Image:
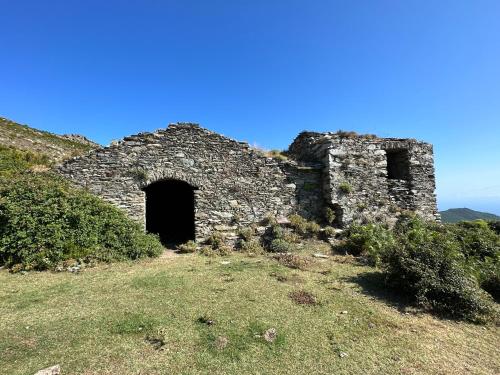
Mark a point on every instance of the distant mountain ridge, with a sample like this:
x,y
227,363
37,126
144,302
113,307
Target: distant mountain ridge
x,y
56,147
454,215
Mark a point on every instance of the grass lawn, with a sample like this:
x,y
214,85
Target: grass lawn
x,y
153,317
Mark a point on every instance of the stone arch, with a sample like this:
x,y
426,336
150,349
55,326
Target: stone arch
x,y
168,174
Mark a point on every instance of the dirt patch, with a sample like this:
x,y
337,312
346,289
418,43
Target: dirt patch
x,y
301,297
156,342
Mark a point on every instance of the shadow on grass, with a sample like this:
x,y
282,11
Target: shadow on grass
x,y
373,284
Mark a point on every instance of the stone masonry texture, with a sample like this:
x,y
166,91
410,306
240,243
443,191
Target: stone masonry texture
x,y
361,178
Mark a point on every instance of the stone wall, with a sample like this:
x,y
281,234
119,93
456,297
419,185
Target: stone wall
x,y
235,185
356,181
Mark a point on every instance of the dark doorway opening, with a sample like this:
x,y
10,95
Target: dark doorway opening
x,y
170,211
398,164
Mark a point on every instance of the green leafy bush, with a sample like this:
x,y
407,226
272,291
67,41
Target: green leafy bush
x,y
251,247
303,227
330,215
329,232
279,245
495,226
217,242
441,267
246,233
13,160
44,221
425,264
480,247
371,240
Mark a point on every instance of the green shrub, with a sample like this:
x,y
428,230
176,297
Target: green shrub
x,y
291,237
303,227
13,160
495,226
371,241
441,267
217,242
330,215
276,231
44,221
246,233
425,265
251,247
480,247
279,245
476,239
329,232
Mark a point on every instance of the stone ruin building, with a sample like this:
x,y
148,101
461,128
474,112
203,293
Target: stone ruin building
x,y
184,182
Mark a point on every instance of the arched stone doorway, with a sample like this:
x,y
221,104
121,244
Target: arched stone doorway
x,y
170,211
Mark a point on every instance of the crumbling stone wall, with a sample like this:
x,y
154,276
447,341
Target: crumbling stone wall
x,y
235,185
357,181
360,178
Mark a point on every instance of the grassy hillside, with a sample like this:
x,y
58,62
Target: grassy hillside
x,y
55,147
191,314
454,215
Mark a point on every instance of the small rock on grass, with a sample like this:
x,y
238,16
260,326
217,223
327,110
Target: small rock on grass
x,y
319,255
54,370
270,335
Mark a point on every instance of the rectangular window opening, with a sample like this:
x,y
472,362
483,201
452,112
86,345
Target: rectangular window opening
x,y
398,164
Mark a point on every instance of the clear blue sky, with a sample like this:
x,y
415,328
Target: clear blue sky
x,y
263,70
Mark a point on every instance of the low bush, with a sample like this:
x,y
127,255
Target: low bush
x,y
304,228
246,233
279,245
426,265
329,232
330,215
480,247
13,160
371,241
495,226
188,247
217,242
44,221
251,247
441,267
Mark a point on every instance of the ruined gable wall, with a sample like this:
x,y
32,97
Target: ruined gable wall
x,y
235,184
